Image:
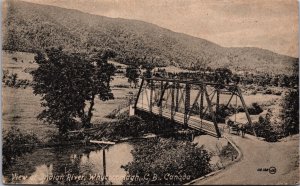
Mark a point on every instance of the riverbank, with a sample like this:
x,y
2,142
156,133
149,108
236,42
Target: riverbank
x,y
211,146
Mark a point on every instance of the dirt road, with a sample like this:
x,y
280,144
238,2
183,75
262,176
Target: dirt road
x,y
262,155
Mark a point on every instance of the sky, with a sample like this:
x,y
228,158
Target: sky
x,y
268,24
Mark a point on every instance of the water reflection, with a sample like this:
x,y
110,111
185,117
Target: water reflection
x,y
66,165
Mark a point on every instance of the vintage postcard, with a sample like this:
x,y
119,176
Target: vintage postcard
x,y
185,92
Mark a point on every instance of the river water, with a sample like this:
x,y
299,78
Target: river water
x,y
83,164
46,166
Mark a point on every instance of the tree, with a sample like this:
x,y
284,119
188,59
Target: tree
x,y
294,78
69,83
291,112
167,161
291,104
133,73
265,129
236,79
274,81
102,73
283,80
200,65
223,75
148,73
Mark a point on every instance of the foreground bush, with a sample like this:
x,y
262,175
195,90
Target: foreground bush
x,y
267,128
166,161
254,109
15,143
264,129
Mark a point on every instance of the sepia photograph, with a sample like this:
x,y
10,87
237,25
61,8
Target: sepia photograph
x,y
160,92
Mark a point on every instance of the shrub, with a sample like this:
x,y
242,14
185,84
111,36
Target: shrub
x,y
12,80
259,88
112,114
240,109
254,109
228,154
132,126
15,59
166,161
15,143
277,92
224,111
268,91
264,129
123,115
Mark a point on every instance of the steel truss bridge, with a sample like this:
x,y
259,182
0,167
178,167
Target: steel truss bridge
x,y
191,103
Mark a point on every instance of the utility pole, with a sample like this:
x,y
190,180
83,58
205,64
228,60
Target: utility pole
x,y
104,165
106,143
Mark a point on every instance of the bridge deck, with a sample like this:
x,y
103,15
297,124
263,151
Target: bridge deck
x,y
193,122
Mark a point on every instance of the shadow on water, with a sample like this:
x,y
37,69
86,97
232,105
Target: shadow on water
x,y
71,165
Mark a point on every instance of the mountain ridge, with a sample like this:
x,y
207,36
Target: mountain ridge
x,y
31,27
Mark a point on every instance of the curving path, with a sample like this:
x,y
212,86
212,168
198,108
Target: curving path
x,y
257,154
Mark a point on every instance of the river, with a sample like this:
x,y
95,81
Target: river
x,y
84,164
46,166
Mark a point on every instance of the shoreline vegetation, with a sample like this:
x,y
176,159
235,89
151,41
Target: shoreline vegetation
x,y
193,160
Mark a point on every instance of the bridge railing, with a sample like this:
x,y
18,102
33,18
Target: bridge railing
x,y
194,121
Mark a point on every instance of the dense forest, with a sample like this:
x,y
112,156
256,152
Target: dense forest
x,y
31,27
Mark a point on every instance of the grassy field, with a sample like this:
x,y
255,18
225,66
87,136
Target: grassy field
x,y
18,62
262,99
21,107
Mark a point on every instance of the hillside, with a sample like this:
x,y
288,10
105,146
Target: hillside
x,y
30,27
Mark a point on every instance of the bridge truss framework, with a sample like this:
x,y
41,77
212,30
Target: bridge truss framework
x,y
188,102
